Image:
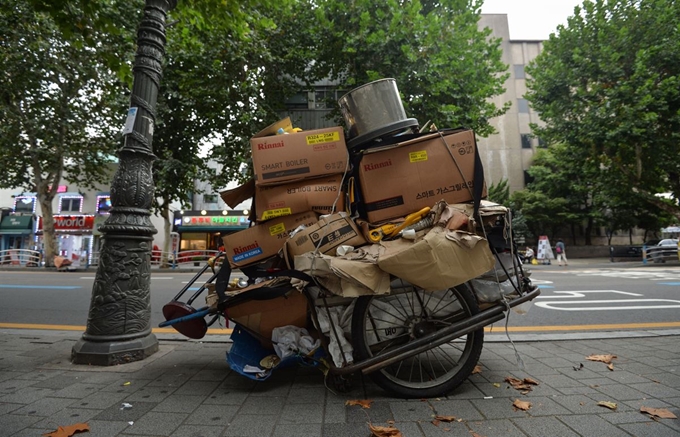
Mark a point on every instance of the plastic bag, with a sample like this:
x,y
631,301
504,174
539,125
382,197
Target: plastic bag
x,y
292,340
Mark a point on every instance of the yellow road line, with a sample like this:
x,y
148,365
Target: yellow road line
x,y
496,329
217,331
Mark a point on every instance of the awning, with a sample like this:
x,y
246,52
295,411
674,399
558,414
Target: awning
x,y
17,224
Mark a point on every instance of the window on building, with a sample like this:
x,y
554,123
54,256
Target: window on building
x,y
527,178
523,106
24,204
70,204
298,101
210,198
519,71
526,141
541,143
103,204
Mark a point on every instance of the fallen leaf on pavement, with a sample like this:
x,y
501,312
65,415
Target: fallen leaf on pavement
x,y
521,405
68,431
474,434
384,431
435,422
522,385
607,359
477,369
607,404
363,403
610,367
662,413
445,418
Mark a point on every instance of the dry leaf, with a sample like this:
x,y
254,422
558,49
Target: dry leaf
x,y
384,431
363,403
530,381
610,367
518,384
521,405
435,422
607,359
445,418
474,434
68,431
610,405
477,369
662,413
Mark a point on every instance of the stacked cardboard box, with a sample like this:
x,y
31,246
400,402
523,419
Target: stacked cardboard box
x,y
298,176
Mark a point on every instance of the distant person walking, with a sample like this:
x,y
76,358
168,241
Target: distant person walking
x,y
561,252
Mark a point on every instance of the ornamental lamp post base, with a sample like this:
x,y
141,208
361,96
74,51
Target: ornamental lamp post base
x,y
108,352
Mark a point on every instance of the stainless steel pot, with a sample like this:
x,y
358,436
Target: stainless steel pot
x,y
374,110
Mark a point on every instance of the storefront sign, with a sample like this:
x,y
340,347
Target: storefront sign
x,y
216,221
71,223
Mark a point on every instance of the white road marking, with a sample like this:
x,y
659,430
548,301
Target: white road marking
x,y
581,293
560,305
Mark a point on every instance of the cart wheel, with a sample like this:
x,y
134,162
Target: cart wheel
x,y
380,323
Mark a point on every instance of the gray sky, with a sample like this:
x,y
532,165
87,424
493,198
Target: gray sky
x,y
532,19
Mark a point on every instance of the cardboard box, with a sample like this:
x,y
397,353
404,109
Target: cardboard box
x,y
327,234
295,156
406,177
439,261
316,195
261,241
262,316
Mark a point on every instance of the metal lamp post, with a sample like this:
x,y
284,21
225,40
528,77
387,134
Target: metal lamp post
x,y
118,325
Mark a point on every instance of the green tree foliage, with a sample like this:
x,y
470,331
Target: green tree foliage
x,y
608,86
445,67
59,101
500,192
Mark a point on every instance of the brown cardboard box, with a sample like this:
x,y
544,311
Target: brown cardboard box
x,y
316,195
327,234
294,156
262,316
261,241
404,178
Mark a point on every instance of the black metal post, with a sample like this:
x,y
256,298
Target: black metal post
x,y
118,325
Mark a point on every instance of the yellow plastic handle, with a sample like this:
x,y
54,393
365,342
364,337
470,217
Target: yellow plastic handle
x,y
409,220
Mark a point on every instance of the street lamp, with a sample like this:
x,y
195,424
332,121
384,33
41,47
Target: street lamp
x,y
118,325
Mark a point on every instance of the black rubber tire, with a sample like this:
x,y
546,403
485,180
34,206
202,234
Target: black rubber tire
x,y
388,378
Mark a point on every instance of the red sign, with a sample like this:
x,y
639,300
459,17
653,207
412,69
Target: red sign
x,y
71,222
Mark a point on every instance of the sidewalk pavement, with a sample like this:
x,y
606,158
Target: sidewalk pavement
x,y
186,389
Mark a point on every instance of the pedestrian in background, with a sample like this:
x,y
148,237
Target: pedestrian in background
x,y
561,252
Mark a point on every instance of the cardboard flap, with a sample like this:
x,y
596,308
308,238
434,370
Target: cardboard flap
x,y
274,127
239,194
464,239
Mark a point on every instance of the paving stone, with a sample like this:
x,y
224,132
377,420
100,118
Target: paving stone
x,y
345,430
68,416
172,380
297,430
115,412
100,400
592,426
179,404
246,425
656,390
45,407
198,431
227,396
579,404
461,409
335,411
500,408
150,393
559,381
12,423
27,395
306,395
213,415
496,428
33,432
14,385
651,429
75,391
380,411
411,411
301,413
156,424
626,417
618,391
260,405
543,426
7,408
544,406
441,429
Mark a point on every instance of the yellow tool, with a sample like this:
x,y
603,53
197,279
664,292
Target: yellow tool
x,y
390,230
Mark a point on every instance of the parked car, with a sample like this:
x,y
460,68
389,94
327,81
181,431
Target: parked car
x,y
663,250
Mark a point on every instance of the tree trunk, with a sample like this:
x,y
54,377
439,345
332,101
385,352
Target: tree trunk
x,y
49,240
588,232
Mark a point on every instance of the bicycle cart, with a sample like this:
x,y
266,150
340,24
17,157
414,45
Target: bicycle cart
x,y
413,343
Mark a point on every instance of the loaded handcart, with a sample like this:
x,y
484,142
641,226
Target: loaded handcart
x,y
375,255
